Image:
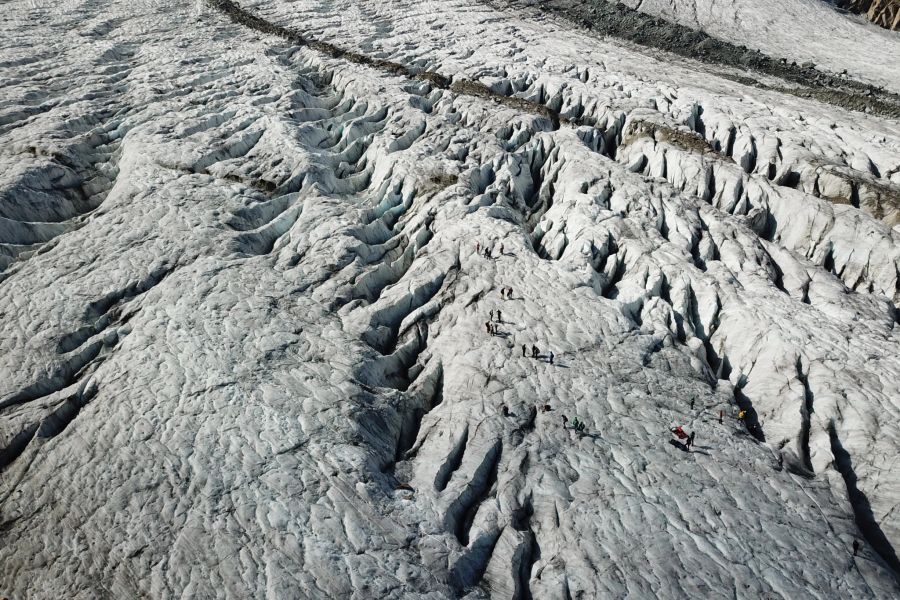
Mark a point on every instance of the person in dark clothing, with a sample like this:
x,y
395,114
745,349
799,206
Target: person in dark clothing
x,y
524,350
491,315
690,440
565,421
551,357
855,547
487,325
534,351
721,415
499,316
692,404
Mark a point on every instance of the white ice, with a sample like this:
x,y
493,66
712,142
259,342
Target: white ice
x,y
243,345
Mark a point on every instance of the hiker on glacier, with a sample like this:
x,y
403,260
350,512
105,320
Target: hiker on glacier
x,y
534,351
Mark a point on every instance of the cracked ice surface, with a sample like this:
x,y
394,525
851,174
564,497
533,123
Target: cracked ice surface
x,y
244,348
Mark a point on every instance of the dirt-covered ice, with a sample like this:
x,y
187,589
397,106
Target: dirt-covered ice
x,y
246,304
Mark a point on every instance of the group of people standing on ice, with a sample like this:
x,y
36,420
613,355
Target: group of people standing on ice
x,y
685,440
491,326
488,251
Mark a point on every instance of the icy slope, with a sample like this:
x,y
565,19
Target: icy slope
x,y
798,30
244,350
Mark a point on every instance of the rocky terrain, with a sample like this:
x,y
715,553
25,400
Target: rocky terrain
x,y
302,299
881,12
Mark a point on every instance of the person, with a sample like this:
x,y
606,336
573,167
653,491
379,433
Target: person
x,y
534,351
524,350
551,357
499,316
487,252
690,440
721,415
504,410
477,247
692,404
575,423
565,421
491,315
855,547
501,247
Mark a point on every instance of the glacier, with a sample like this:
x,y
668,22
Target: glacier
x,y
253,346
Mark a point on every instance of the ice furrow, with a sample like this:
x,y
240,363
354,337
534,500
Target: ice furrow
x,y
860,503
